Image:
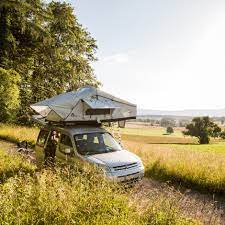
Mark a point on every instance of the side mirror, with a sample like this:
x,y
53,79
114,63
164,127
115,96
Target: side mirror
x,y
120,143
67,151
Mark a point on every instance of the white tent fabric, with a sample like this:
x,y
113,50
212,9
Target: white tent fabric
x,y
86,104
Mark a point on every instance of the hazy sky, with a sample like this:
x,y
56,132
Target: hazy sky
x,y
161,54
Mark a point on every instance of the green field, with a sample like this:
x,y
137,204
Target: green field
x,y
153,131
176,141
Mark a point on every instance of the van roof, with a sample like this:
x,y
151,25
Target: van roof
x,y
74,130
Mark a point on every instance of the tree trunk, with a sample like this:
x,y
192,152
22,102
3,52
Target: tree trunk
x,y
204,140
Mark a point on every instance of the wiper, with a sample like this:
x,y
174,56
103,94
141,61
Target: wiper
x,y
112,150
94,153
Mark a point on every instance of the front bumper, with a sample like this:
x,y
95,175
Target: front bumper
x,y
127,178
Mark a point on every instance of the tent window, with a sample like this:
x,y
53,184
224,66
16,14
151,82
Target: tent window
x,y
97,111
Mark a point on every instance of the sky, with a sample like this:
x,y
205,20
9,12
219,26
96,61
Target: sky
x,y
159,54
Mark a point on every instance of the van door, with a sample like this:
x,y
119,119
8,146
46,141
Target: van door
x,y
40,144
65,151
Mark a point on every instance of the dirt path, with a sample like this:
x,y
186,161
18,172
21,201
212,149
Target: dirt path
x,y
12,149
203,207
206,208
7,145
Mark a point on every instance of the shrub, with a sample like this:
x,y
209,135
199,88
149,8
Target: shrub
x,y
169,130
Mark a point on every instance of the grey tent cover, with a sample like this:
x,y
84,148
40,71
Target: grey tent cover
x,y
85,104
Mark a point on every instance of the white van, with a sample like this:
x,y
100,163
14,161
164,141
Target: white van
x,y
94,145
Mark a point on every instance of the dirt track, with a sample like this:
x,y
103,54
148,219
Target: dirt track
x,y
204,207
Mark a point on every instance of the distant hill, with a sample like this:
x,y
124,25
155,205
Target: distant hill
x,y
183,113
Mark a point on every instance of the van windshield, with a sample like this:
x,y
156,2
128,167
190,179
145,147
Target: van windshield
x,y
96,143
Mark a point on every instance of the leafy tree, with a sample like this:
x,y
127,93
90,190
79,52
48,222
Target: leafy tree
x,y
222,134
47,46
202,128
169,130
65,57
20,31
216,131
9,94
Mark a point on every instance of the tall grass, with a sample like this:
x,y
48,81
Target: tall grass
x,y
201,170
74,196
16,133
13,165
186,164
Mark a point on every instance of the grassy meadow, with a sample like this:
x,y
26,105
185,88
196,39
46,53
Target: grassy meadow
x,y
172,158
16,133
179,159
31,195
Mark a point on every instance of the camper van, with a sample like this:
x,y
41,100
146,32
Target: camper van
x,y
93,145
72,130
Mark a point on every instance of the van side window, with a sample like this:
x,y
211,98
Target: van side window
x,y
65,145
42,137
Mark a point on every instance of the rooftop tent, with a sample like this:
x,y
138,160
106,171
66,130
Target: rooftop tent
x,y
85,105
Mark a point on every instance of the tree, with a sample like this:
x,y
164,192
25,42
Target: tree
x,y
169,130
216,131
202,128
165,122
20,31
222,134
47,46
183,122
65,59
9,94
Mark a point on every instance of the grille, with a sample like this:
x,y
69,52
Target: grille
x,y
127,175
125,167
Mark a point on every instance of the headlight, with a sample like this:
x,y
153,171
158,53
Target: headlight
x,y
104,168
140,164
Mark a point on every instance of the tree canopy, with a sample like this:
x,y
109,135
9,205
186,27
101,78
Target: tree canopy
x,y
202,128
9,92
47,47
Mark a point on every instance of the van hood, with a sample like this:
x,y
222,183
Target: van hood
x,y
117,158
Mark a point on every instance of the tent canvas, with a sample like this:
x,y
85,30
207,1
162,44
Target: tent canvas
x,y
85,105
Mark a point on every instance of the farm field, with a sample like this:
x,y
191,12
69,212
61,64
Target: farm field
x,y
156,135
151,131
